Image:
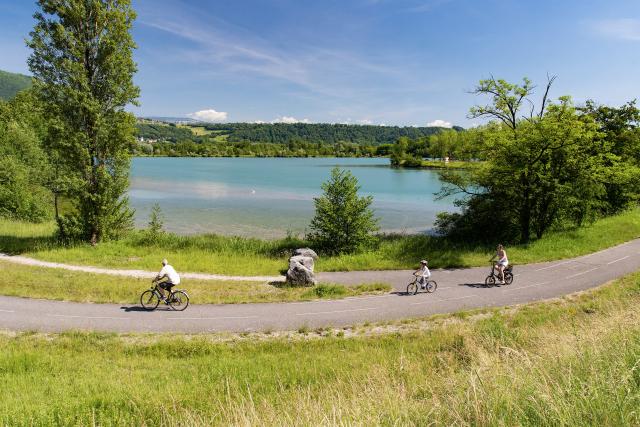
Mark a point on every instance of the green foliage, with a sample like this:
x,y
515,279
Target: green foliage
x,y
270,140
83,69
620,134
24,166
328,291
454,144
343,222
156,223
540,171
12,83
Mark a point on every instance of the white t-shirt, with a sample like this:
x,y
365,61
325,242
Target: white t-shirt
x,y
171,273
424,271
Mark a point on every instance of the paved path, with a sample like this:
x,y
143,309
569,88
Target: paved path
x,y
458,289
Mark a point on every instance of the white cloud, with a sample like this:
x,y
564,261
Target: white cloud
x,y
365,122
622,29
439,123
289,119
210,115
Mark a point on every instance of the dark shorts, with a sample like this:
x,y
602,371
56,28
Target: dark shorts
x,y
166,285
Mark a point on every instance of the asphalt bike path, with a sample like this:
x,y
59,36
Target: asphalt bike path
x,y
458,289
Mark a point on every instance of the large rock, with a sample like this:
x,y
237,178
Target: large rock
x,y
306,252
300,271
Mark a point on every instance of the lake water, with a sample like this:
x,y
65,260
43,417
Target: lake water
x,y
266,197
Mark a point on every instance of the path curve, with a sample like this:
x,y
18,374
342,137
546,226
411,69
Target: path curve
x,y
458,289
132,273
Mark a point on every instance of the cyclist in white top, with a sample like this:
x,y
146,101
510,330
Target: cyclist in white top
x,y
170,274
423,273
502,262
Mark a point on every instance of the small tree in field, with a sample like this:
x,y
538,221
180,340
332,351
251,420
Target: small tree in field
x,y
156,223
344,222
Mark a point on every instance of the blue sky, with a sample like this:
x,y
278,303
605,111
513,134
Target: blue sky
x,y
394,62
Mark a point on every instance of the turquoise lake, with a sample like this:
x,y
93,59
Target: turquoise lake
x,y
267,197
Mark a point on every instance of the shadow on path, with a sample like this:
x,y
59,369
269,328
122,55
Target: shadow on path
x,y
137,308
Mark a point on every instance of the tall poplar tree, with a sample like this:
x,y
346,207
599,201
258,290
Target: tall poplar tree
x,y
83,69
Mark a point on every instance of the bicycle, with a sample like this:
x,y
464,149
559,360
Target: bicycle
x,y
493,276
177,299
430,286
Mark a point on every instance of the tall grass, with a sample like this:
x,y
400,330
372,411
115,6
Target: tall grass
x,y
243,256
573,361
58,284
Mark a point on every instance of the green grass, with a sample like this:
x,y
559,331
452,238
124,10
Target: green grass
x,y
452,164
242,256
57,284
572,361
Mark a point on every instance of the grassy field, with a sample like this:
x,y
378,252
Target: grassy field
x,y
242,256
573,361
47,283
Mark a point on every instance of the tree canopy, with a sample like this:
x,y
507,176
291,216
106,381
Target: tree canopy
x,y
541,168
83,68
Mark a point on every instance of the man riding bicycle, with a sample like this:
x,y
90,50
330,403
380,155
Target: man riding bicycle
x,y
171,275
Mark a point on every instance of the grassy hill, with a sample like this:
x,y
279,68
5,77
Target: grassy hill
x,y
12,83
280,133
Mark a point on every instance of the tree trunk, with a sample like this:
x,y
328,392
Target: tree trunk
x,y
525,212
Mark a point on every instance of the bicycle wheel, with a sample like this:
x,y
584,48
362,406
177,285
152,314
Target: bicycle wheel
x,y
432,286
149,300
179,300
508,278
490,280
412,288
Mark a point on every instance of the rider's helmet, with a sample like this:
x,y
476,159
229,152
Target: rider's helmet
x,y
165,262
424,262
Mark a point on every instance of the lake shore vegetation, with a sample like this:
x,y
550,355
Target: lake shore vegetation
x,y
228,254
557,166
571,360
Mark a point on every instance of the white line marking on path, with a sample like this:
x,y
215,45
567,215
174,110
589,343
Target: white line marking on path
x,y
7,311
581,273
555,265
211,318
619,259
89,317
335,311
524,287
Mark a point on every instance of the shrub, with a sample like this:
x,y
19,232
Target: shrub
x,y
344,222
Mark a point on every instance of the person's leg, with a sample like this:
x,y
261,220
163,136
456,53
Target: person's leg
x,y
161,288
501,269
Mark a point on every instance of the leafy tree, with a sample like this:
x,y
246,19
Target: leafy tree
x,y
540,169
343,222
620,133
83,69
399,151
24,166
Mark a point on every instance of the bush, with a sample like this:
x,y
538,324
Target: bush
x,y
344,222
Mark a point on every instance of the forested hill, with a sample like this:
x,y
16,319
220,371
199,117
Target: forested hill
x,y
285,133
12,83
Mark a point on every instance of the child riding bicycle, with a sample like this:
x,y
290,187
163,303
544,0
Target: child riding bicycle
x,y
423,273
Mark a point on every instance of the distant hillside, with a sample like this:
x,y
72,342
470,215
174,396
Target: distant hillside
x,y
283,133
12,83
